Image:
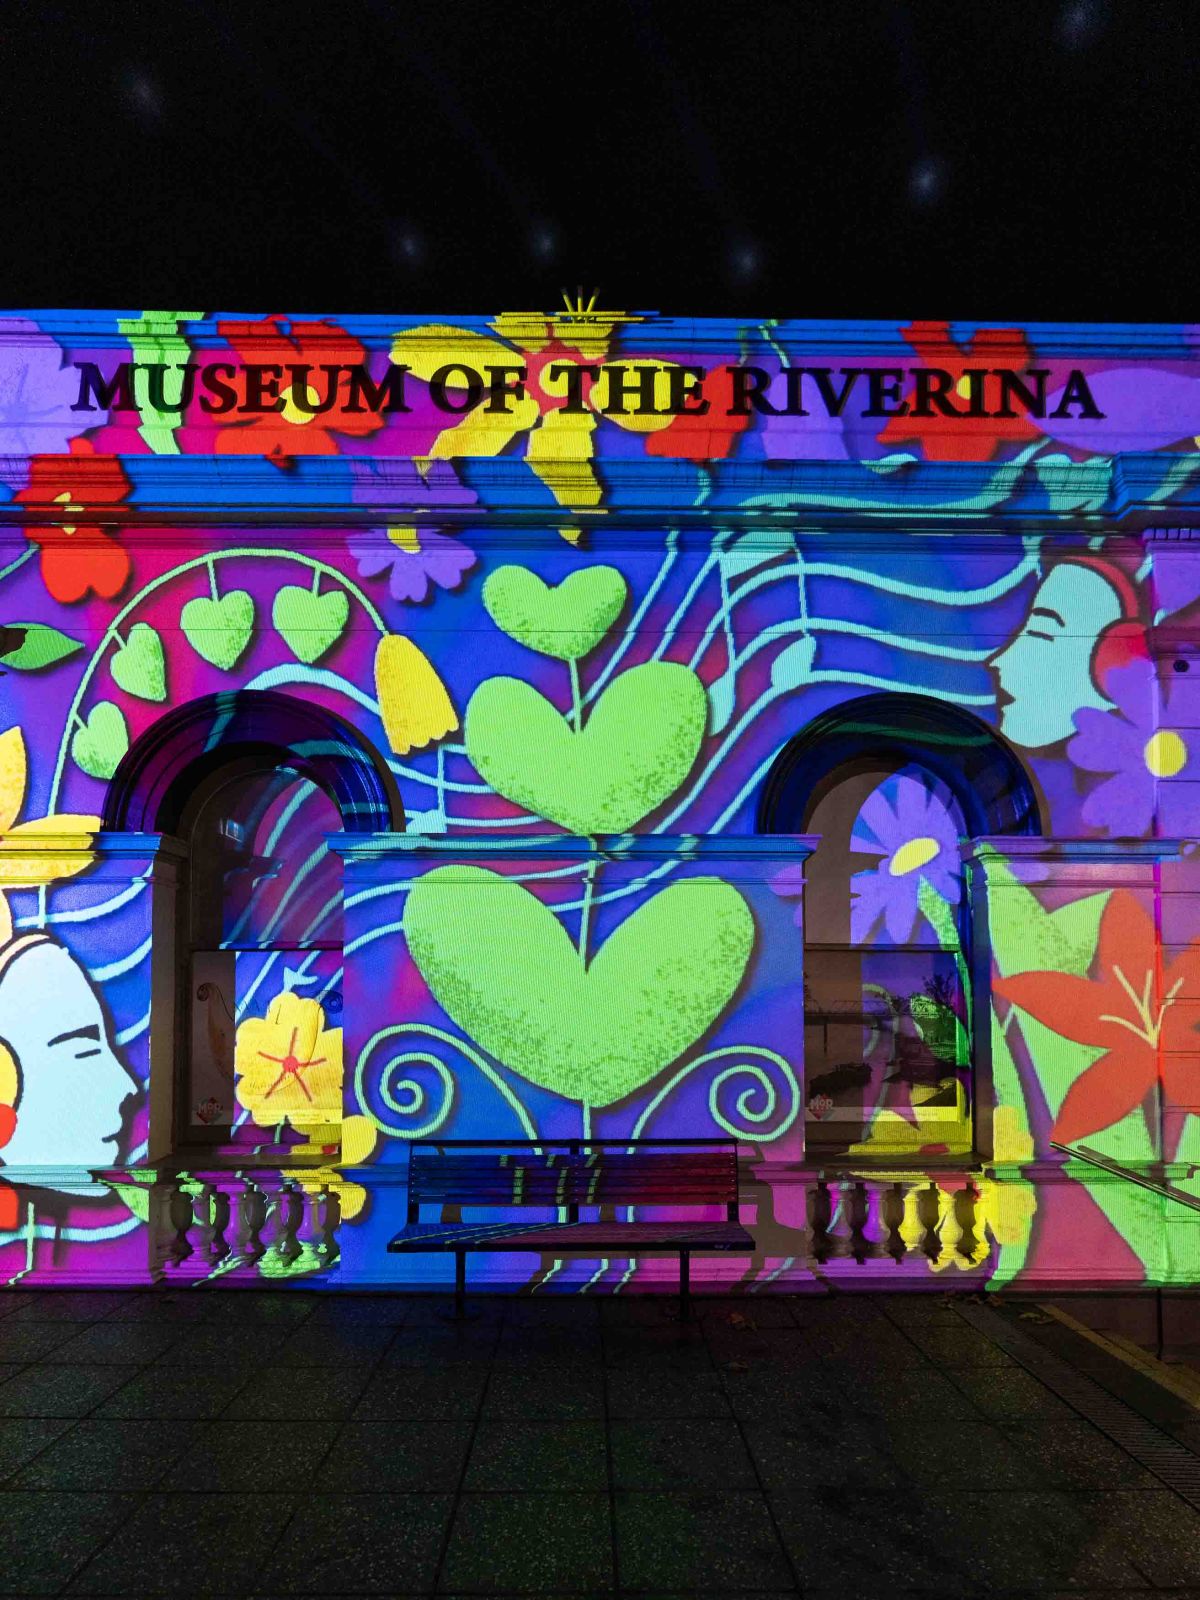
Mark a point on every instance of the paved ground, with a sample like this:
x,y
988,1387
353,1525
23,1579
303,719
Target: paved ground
x,y
279,1444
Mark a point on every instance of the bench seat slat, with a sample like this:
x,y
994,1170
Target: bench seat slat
x,y
586,1237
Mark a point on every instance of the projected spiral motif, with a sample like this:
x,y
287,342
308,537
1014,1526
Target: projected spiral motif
x,y
411,1093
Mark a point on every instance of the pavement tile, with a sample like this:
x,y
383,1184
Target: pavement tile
x,y
276,1307
172,1391
529,1544
957,1347
101,1452
680,1348
690,1453
408,1393
698,1540
70,1305
59,1391
810,1452
541,1390
395,1457
544,1456
205,1345
1158,1532
13,1299
161,1305
359,1310
1074,1455
556,1342
1009,1394
118,1343
32,1341
283,1394
443,1345
45,1537
634,1392
360,1544
332,1346
245,1457
22,1438
188,1544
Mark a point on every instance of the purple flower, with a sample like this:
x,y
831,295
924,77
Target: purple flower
x,y
1132,747
788,884
37,391
417,558
912,823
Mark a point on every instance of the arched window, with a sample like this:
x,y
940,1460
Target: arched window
x,y
891,785
252,783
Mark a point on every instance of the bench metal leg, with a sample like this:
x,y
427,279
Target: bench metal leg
x,y
460,1285
685,1286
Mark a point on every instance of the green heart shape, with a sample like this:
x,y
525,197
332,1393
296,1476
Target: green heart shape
x,y
139,667
566,620
219,630
309,624
505,970
635,749
104,738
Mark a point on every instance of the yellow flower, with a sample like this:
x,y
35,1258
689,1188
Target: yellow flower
x,y
559,448
289,1066
895,1136
413,701
23,863
357,1139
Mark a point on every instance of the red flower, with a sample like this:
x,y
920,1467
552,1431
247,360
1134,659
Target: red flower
x,y
297,427
1132,1010
703,438
963,437
78,556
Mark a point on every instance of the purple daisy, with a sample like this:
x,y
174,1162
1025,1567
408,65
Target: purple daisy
x,y
788,884
1133,747
418,559
912,823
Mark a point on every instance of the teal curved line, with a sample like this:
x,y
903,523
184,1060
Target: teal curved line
x,y
681,610
787,630
998,488
288,812
631,632
464,1049
718,1055
19,562
87,913
983,595
134,1030
870,681
116,969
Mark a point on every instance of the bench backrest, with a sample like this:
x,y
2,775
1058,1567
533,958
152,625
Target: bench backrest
x,y
573,1174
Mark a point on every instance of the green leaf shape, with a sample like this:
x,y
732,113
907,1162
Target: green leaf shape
x,y
98,746
563,620
1027,938
637,746
41,647
139,666
219,630
505,970
309,624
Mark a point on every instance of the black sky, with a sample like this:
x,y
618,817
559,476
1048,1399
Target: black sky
x,y
945,158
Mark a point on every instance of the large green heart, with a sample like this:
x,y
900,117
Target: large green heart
x,y
309,623
101,741
565,621
635,749
219,630
139,667
506,971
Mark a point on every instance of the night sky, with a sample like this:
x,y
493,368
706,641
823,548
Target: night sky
x,y
977,159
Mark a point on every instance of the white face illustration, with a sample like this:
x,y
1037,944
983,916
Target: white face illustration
x,y
72,1086
1045,673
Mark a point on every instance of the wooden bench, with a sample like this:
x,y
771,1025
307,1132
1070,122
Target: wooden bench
x,y
570,1182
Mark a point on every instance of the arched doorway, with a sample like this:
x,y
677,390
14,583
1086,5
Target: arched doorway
x,y
890,784
252,783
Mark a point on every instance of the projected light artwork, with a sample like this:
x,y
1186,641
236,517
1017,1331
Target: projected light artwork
x,y
599,727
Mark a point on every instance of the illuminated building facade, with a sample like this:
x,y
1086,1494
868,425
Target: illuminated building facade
x,y
599,725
